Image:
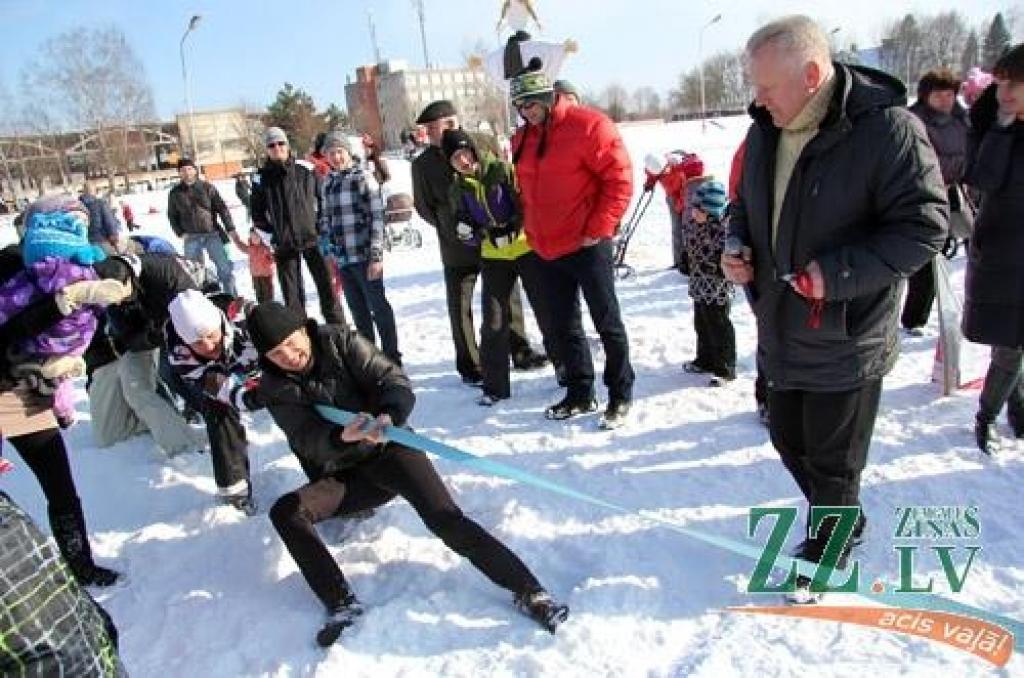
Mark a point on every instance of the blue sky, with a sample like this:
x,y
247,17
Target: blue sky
x,y
244,50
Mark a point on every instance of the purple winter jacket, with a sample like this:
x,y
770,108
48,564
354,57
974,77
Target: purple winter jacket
x,y
69,336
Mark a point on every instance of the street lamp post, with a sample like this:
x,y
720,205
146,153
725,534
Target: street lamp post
x,y
833,37
700,66
192,23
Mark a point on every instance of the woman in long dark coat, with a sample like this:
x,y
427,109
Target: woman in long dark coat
x,y
994,303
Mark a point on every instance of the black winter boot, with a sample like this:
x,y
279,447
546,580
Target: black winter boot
x,y
540,607
985,433
339,618
1015,409
73,542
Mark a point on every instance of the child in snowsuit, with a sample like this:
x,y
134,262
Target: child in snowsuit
x,y
261,265
704,239
485,201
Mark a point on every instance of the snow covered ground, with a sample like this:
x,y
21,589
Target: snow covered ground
x,y
211,593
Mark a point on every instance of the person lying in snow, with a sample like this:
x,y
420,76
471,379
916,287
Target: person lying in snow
x,y
354,468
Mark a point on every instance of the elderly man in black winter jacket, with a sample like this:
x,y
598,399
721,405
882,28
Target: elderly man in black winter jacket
x,y
354,468
840,200
284,209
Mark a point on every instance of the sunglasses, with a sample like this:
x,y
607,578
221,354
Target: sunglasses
x,y
526,105
277,143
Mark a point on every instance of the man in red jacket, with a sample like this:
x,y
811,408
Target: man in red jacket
x,y
576,183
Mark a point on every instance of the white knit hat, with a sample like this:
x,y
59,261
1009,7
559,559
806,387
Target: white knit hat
x,y
194,315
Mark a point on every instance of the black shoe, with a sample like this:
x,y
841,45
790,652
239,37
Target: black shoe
x,y
530,361
985,434
91,574
488,400
339,619
615,414
474,380
694,367
1015,417
243,503
540,607
570,407
857,538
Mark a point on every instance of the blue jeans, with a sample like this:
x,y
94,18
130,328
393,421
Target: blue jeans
x,y
369,306
196,243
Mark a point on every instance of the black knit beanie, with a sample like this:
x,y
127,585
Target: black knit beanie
x,y
454,139
271,323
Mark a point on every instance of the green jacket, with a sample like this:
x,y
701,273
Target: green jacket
x,y
489,202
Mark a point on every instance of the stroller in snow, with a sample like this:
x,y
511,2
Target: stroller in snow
x,y
625,232
398,228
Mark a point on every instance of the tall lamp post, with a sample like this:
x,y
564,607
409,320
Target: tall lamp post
x,y
833,37
192,23
700,65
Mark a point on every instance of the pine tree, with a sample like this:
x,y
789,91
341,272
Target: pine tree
x,y
295,112
336,117
997,40
970,56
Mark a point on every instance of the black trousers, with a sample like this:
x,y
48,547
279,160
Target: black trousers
x,y
589,270
920,295
47,457
395,471
716,339
289,274
823,440
459,283
229,448
500,276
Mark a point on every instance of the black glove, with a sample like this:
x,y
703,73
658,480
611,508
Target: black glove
x,y
503,234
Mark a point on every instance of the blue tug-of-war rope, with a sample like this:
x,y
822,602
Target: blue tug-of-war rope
x,y
920,601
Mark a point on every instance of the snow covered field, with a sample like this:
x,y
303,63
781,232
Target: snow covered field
x,y
211,593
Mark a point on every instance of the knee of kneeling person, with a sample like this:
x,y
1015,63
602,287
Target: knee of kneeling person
x,y
287,509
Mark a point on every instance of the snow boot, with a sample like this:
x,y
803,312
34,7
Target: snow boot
x,y
570,406
1015,409
540,607
339,618
615,414
985,433
529,360
68,529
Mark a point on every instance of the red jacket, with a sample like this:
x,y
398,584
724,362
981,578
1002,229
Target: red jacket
x,y
736,170
580,186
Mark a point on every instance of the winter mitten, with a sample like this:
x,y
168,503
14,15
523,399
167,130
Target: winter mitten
x,y
92,292
465,233
63,367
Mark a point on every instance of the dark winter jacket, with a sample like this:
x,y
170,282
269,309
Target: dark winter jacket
x,y
50,625
948,135
866,202
284,204
103,225
994,287
703,244
239,360
137,323
348,372
193,209
432,178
